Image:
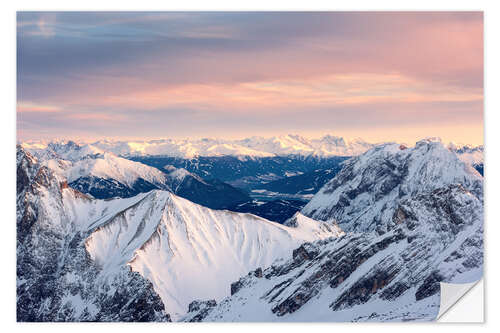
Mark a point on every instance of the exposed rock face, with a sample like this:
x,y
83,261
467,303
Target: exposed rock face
x,y
414,216
391,271
199,309
158,235
363,196
236,286
56,279
197,305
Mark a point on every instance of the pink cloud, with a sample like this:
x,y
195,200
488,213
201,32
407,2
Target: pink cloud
x,y
34,107
94,117
279,95
398,59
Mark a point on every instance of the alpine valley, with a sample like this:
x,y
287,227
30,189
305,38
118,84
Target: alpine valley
x,y
258,229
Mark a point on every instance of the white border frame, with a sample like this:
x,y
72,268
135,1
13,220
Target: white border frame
x,y
8,133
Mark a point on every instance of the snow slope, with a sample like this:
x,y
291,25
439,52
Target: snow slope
x,y
185,250
468,154
105,175
364,194
414,218
73,161
191,252
56,281
365,276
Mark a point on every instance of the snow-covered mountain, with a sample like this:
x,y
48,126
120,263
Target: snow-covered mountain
x,y
415,217
471,155
73,251
188,251
254,147
56,280
381,235
76,162
364,194
104,175
111,167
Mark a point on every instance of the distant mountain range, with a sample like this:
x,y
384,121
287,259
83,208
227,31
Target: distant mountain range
x,y
104,175
471,155
254,147
270,185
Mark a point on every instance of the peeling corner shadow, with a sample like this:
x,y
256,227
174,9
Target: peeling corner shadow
x,y
451,294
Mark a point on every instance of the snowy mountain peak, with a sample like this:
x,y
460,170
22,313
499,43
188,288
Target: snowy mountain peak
x,y
363,195
413,218
255,146
393,276
172,242
52,222
472,155
336,140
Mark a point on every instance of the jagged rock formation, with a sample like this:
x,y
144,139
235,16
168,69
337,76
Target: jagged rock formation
x,y
56,279
168,242
419,222
199,309
414,218
363,196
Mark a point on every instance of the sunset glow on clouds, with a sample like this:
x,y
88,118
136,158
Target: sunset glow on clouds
x,y
379,76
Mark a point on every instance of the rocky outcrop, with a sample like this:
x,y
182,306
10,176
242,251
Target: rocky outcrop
x,y
366,192
56,279
198,310
417,235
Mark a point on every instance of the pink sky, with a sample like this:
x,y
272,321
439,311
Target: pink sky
x,y
379,76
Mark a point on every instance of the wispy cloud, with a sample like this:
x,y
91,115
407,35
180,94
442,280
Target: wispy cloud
x,y
34,107
44,25
246,68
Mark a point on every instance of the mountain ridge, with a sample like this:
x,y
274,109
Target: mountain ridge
x,y
56,280
250,147
379,237
172,242
389,266
370,185
157,242
105,175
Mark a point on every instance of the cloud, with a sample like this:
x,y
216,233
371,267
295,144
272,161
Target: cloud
x,y
42,25
250,67
34,107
